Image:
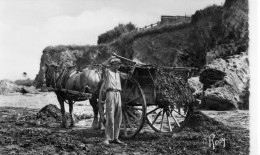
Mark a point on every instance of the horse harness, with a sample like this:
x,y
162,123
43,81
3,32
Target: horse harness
x,y
64,76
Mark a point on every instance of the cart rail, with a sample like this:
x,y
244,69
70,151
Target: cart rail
x,y
73,92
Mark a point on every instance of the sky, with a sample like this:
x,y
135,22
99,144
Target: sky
x,y
28,26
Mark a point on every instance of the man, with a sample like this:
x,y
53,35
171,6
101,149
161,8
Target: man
x,y
112,87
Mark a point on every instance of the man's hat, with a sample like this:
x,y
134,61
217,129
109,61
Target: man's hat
x,y
115,61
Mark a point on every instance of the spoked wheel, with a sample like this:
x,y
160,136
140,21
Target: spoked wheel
x,y
167,119
133,108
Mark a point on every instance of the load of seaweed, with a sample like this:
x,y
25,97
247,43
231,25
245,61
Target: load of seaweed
x,y
172,90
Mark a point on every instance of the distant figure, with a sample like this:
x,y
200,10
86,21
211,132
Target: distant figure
x,y
24,74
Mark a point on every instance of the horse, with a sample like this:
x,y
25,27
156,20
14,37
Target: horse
x,y
87,81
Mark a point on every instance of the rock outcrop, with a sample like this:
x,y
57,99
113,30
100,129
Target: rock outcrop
x,y
231,92
7,86
232,31
30,90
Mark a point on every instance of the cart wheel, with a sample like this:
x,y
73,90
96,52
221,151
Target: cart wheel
x,y
167,119
133,108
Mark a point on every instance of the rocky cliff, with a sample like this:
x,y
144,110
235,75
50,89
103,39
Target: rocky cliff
x,y
229,93
214,32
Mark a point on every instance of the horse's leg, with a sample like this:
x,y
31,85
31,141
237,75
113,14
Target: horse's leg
x,y
101,102
62,108
102,114
72,123
94,104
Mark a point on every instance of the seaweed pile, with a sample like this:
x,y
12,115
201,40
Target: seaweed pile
x,y
51,113
172,90
226,139
200,122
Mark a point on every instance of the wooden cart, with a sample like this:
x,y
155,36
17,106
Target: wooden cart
x,y
139,106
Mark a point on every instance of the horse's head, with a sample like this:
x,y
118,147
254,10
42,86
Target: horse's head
x,y
51,73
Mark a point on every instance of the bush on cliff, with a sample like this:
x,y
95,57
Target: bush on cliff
x,y
109,36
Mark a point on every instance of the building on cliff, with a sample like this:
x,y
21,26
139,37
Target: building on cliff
x,y
174,19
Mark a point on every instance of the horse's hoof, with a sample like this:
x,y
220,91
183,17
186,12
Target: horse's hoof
x,y
102,127
63,126
96,127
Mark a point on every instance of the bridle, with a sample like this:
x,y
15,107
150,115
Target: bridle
x,y
52,79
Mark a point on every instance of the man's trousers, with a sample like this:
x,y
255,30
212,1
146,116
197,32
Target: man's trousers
x,y
113,115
